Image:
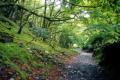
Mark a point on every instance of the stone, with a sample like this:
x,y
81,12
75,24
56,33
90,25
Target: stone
x,y
10,74
1,71
12,79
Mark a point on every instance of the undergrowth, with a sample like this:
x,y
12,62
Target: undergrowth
x,y
17,51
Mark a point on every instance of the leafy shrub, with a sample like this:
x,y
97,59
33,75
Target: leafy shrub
x,y
5,19
100,34
5,37
94,42
41,32
67,38
99,39
105,45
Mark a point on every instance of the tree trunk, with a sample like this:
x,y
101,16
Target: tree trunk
x,y
20,30
44,21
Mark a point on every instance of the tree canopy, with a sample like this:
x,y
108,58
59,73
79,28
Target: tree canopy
x,y
55,26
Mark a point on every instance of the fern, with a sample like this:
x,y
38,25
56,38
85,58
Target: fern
x,y
3,18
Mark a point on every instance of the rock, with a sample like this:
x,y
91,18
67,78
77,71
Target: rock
x,y
7,65
43,78
1,71
39,77
36,78
12,79
10,74
69,66
83,68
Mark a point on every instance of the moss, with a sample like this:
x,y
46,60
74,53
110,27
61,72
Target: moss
x,y
15,67
37,65
16,51
11,53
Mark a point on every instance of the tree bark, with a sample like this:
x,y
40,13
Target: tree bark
x,y
44,21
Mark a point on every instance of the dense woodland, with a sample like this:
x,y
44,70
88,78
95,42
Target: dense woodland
x,y
34,33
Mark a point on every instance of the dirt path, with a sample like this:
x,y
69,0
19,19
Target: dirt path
x,y
83,67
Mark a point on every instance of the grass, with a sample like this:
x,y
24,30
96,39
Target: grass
x,y
11,53
16,51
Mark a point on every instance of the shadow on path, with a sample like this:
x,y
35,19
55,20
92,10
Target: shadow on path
x,y
83,68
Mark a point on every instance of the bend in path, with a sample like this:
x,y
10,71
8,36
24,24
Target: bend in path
x,y
83,67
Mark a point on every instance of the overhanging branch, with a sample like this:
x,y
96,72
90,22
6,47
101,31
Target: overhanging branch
x,y
21,7
82,6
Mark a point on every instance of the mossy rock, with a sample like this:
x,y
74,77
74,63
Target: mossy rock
x,y
5,37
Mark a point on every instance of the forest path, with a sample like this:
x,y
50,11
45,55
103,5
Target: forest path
x,y
83,67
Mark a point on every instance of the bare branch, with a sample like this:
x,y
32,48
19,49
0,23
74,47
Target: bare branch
x,y
21,7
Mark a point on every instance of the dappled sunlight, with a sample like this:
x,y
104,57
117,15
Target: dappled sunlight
x,y
59,39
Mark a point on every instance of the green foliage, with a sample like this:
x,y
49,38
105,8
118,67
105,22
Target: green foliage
x,y
7,51
41,32
100,34
11,53
98,40
15,67
100,28
67,38
5,19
